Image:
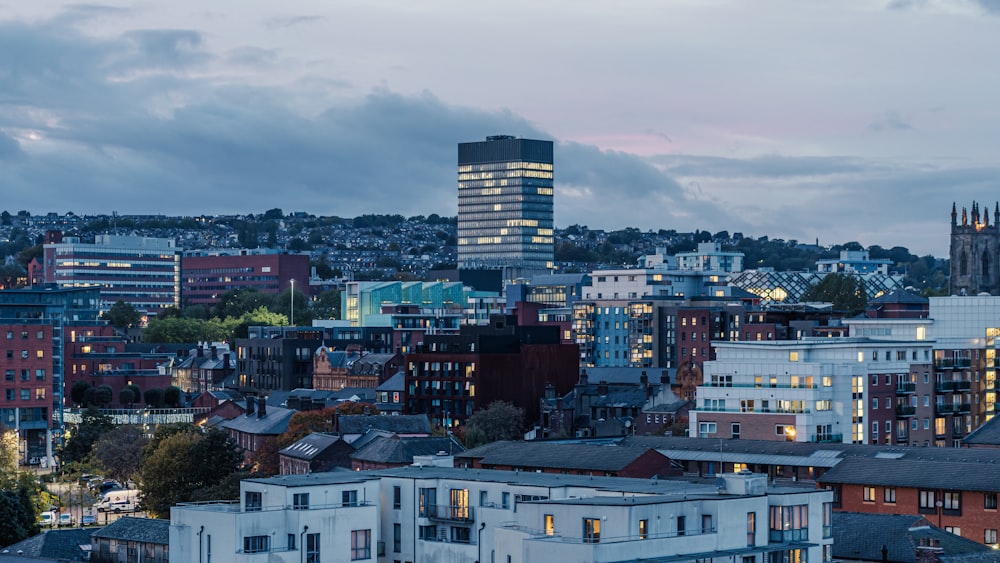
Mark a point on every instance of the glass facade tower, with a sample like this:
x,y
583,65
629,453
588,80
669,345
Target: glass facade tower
x,y
505,205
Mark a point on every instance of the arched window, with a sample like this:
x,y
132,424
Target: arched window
x,y
963,264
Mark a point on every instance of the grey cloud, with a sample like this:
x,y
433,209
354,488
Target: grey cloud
x,y
9,147
991,6
291,21
166,48
889,121
905,4
770,166
252,57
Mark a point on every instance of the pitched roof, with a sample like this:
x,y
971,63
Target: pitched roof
x,y
917,473
986,435
861,536
146,530
556,456
311,446
900,296
61,545
399,424
396,450
273,423
395,383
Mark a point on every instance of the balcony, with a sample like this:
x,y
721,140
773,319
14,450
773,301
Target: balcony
x,y
964,408
449,513
906,410
952,363
906,388
827,438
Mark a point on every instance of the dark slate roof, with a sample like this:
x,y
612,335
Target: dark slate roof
x,y
369,436
396,450
557,456
900,296
399,424
621,375
273,423
634,397
861,536
986,435
145,530
917,473
61,545
394,383
363,394
311,446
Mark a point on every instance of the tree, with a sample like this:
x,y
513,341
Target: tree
x,y
8,452
327,305
237,302
500,420
282,305
260,317
103,395
845,292
78,391
20,520
184,464
173,396
126,397
81,437
170,312
136,392
120,451
153,398
122,315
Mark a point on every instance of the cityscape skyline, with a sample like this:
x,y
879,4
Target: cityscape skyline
x,y
682,116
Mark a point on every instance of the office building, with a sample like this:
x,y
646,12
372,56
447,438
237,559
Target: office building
x,y
141,271
206,278
505,205
435,513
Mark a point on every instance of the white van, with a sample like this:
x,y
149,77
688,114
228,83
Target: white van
x,y
48,518
119,501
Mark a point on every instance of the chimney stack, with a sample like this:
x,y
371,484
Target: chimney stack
x,y
250,405
261,407
664,377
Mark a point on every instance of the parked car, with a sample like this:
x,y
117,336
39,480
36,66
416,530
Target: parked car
x,y
66,519
109,486
88,520
48,518
89,478
119,501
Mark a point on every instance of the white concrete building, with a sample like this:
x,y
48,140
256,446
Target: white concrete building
x,y
459,515
710,258
809,390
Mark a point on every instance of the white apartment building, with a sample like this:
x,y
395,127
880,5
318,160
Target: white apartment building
x,y
809,390
445,514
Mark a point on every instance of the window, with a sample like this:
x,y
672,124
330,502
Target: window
x,y
312,548
9,374
953,530
827,519
40,374
550,525
990,501
461,534
952,500
397,537
39,353
24,354
591,530
361,545
751,529
256,544
505,500
428,532
252,501
990,536
349,498
889,495
874,402
681,525
789,523
40,393
927,500
706,524
397,500
426,500
706,428
869,494
25,394
483,498
643,529
300,501
291,542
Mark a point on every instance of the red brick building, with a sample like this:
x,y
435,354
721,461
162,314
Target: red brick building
x,y
204,279
958,493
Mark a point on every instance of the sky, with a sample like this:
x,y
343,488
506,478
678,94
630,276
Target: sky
x,y
836,121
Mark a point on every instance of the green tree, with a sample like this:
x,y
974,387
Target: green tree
x,y
177,330
327,305
237,302
845,292
8,453
20,520
120,451
500,420
126,397
169,313
103,395
122,315
173,396
153,398
282,304
136,392
81,437
261,317
183,465
78,390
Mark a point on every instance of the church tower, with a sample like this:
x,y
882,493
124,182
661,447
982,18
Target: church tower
x,y
975,251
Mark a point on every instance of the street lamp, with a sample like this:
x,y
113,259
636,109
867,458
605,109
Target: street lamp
x,y
293,302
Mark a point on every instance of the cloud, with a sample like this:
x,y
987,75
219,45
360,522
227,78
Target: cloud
x,y
166,48
9,148
291,21
990,6
889,121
